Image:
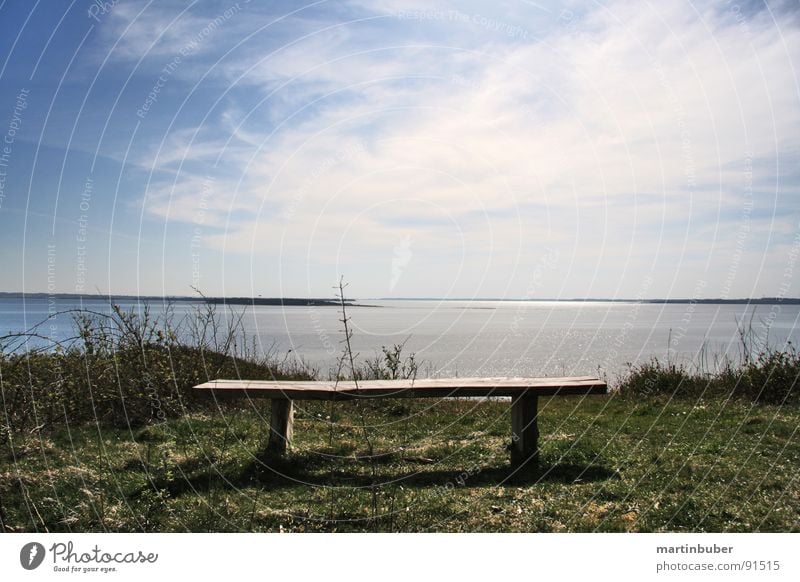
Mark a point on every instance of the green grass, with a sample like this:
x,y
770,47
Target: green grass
x,y
105,434
608,464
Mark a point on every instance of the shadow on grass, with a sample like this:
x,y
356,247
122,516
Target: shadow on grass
x,y
304,469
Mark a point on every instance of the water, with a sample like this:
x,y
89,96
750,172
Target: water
x,y
478,338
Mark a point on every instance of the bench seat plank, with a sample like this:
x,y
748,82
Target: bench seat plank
x,y
421,388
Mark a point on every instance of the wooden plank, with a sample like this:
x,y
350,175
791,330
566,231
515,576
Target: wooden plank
x,y
525,431
423,388
281,426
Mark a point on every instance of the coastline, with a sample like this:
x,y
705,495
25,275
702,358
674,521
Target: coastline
x,y
323,302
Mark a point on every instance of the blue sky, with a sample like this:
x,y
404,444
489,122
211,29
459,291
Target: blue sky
x,y
453,149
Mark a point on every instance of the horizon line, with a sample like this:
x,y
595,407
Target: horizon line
x,y
762,299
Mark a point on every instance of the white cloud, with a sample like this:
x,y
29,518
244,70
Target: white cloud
x,y
613,138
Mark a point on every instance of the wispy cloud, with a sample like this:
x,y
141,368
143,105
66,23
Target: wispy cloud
x,y
616,134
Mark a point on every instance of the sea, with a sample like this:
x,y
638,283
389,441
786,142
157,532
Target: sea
x,y
457,338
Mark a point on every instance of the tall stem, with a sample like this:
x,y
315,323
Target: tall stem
x,y
347,332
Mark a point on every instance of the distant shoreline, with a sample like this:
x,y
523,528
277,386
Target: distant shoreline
x,y
318,302
713,301
284,301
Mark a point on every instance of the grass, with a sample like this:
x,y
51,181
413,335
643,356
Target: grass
x,y
608,464
106,435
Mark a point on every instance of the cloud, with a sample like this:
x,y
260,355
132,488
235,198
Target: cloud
x,y
620,133
139,29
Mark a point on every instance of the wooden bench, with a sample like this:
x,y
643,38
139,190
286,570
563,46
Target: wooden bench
x,y
524,393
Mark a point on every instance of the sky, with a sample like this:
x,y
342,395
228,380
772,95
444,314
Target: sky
x,y
415,149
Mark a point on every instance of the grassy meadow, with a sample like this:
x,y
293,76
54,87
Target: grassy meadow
x,y
104,434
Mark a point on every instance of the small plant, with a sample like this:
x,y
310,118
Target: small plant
x,y
762,374
390,364
773,377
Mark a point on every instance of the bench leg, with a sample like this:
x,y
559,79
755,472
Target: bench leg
x,y
281,425
524,431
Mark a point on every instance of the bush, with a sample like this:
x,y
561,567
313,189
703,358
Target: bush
x,y
655,378
771,377
128,368
389,365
